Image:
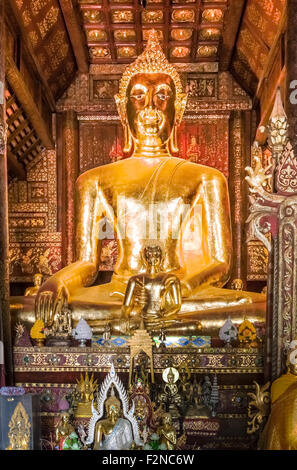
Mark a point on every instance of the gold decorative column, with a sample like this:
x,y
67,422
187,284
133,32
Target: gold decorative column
x,y
69,175
238,199
4,267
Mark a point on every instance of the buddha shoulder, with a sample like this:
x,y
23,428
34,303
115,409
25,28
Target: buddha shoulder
x,y
201,172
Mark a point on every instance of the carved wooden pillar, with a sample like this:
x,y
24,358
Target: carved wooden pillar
x,y
291,68
276,213
69,175
237,191
5,332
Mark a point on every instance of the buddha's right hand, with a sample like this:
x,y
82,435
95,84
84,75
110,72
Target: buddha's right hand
x,y
50,299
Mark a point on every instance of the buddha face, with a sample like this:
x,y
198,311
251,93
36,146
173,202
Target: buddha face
x,y
65,418
113,410
170,377
167,420
37,280
153,255
151,108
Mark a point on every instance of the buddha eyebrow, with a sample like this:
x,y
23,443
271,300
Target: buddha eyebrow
x,y
138,87
163,86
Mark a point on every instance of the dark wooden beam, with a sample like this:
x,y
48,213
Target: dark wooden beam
x,y
267,86
76,34
106,12
233,19
196,32
26,100
16,168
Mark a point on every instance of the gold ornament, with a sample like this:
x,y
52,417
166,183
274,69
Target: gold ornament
x,y
37,280
167,432
247,333
86,387
237,284
258,407
19,429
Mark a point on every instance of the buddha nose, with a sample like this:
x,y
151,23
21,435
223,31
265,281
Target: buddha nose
x,y
150,99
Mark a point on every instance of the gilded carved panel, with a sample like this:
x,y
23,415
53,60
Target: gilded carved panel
x,y
35,243
257,261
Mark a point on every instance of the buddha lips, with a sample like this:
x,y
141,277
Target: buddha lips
x,y
150,121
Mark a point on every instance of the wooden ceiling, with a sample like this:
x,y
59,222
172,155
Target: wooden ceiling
x,y
66,35
42,25
189,30
259,28
48,41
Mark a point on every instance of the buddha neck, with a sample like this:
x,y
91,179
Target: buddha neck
x,y
150,151
153,270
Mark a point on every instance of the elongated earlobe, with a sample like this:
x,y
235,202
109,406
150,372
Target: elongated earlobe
x,y
172,144
128,141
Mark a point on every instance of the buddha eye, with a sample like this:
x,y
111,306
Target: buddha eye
x,y
138,96
162,96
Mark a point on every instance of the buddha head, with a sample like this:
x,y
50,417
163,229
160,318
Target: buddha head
x,y
64,418
153,256
113,407
167,420
170,376
37,279
150,103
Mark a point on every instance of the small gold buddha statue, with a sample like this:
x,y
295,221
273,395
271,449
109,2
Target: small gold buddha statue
x,y
170,395
63,429
152,195
167,432
237,284
86,388
152,297
113,432
280,430
37,281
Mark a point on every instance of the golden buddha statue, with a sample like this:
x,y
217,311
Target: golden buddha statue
x,y
86,387
37,281
151,198
170,395
113,432
63,429
280,430
152,296
167,432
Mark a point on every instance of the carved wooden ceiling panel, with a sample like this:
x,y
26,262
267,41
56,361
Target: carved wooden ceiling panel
x,y
44,26
255,39
189,30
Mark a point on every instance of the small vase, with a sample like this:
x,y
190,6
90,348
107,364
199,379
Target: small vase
x,y
82,342
39,342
